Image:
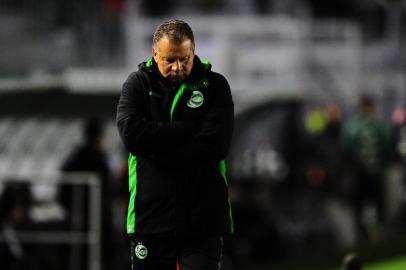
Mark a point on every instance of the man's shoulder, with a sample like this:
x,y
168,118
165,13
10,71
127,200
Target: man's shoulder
x,y
206,69
215,76
141,73
217,79
137,77
136,82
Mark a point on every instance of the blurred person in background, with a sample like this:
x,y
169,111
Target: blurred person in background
x,y
113,11
175,117
399,122
332,144
399,130
367,148
90,156
15,201
322,147
17,223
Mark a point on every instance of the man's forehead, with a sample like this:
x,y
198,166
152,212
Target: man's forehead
x,y
167,41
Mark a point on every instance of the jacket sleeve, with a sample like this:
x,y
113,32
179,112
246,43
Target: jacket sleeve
x,y
213,138
145,137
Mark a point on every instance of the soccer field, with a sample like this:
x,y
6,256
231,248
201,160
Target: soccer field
x,y
395,263
398,263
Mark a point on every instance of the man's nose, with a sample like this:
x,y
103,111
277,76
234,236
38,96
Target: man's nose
x,y
177,66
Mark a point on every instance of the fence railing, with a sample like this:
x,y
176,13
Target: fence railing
x,y
31,214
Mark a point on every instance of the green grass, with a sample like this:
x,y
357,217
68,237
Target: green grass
x,y
385,255
398,263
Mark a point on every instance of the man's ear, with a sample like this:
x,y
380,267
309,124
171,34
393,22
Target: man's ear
x,y
154,53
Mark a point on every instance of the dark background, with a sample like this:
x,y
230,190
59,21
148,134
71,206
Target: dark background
x,y
295,69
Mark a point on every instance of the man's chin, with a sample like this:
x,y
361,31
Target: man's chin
x,y
177,79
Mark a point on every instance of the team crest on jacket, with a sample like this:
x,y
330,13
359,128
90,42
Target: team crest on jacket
x,y
141,251
196,100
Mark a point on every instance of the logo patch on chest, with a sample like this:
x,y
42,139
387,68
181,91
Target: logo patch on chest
x,y
196,100
141,251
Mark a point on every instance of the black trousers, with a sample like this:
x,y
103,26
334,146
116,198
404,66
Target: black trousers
x,y
164,253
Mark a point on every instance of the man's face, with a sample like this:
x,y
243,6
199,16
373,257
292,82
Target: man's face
x,y
175,61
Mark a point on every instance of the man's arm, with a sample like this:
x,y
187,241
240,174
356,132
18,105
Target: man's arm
x,y
141,136
213,139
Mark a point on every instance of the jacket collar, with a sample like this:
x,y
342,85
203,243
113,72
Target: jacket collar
x,y
199,69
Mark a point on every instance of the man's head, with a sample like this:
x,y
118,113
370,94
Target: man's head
x,y
93,131
366,104
174,50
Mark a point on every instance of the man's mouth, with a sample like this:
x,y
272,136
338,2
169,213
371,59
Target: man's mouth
x,y
177,77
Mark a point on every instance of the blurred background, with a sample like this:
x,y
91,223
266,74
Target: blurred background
x,y
317,166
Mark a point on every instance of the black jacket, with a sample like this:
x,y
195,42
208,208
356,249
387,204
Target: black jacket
x,y
178,138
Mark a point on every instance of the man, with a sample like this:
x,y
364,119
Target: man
x,y
90,156
175,117
367,146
